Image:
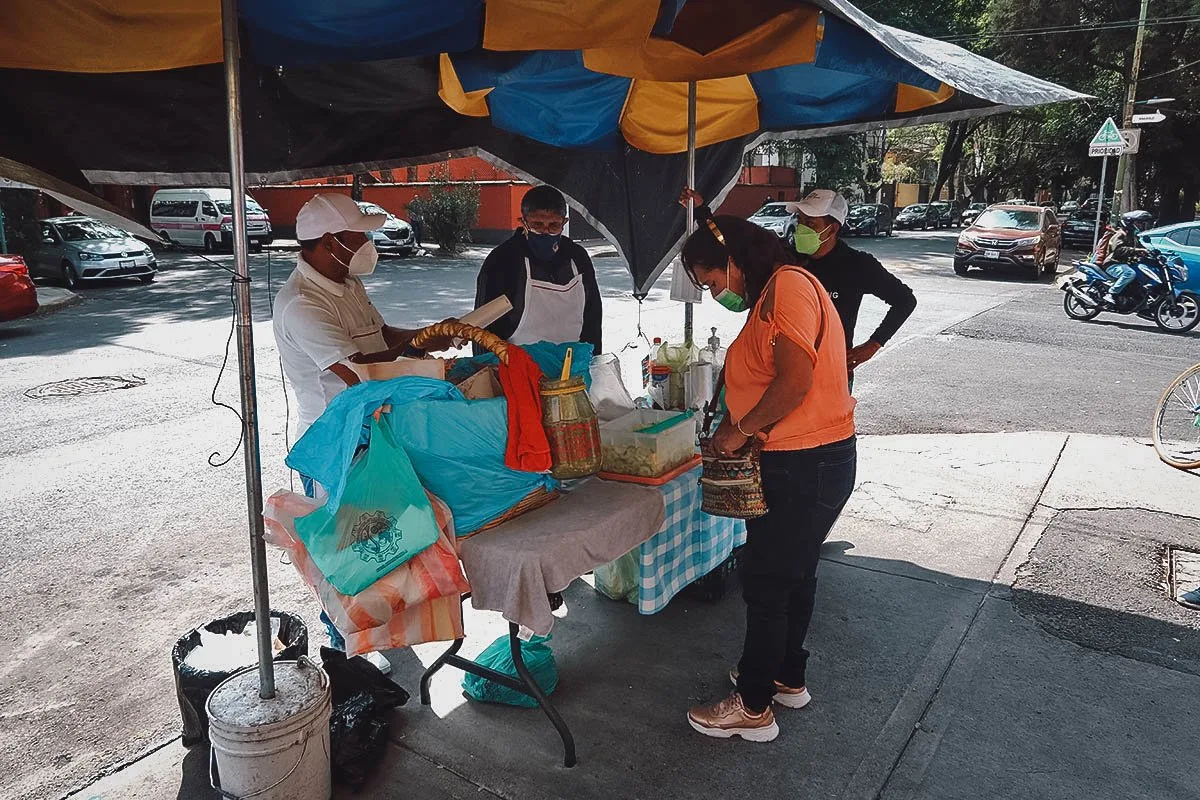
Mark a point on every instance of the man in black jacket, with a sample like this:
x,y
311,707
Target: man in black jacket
x,y
548,278
847,274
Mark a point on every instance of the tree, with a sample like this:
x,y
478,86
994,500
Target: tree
x,y
448,212
21,230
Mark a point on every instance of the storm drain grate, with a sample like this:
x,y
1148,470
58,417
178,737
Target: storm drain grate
x,y
1183,572
78,386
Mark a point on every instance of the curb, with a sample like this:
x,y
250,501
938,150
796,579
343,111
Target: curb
x,y
52,299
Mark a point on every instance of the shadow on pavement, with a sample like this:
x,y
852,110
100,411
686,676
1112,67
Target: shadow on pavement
x,y
878,637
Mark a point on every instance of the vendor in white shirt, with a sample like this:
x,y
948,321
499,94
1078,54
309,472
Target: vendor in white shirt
x,y
323,318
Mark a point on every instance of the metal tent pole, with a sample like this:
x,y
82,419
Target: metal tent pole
x,y
688,316
245,346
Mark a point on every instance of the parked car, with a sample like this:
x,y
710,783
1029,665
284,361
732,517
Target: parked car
x,y
204,218
1016,201
1181,239
1025,237
396,236
972,211
918,215
78,249
1079,230
948,215
778,218
868,219
18,295
1068,206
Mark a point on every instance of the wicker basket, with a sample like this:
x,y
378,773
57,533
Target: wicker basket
x,y
499,348
731,486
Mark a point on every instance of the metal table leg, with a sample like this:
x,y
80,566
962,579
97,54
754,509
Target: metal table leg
x,y
531,688
523,682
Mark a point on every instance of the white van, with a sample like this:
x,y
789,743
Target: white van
x,y
204,218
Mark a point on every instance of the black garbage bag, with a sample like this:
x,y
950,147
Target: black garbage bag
x,y
363,699
193,686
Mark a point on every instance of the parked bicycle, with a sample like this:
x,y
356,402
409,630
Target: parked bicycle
x,y
1177,422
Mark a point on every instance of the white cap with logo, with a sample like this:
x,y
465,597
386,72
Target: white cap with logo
x,y
333,213
824,203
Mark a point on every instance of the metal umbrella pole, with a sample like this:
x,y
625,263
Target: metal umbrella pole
x,y
688,315
245,347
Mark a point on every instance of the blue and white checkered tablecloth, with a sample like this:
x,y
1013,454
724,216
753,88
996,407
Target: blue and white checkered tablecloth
x,y
689,545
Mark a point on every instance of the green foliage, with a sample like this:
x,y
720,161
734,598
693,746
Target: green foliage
x,y
1045,148
21,228
448,212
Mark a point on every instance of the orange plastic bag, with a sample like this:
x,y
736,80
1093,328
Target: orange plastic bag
x,y
415,603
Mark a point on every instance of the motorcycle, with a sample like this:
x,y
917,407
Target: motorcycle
x,y
1153,295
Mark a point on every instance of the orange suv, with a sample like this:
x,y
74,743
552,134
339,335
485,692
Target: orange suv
x,y
1023,237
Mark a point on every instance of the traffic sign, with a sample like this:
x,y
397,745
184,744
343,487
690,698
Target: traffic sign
x,y
1133,139
1109,133
1144,119
1107,141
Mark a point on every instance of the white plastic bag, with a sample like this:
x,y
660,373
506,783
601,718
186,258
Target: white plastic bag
x,y
608,394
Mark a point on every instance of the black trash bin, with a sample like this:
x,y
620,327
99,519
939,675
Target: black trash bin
x,y
193,686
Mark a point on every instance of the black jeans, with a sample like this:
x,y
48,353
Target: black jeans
x,y
806,490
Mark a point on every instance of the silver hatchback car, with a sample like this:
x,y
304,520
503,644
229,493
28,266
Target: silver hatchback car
x,y
78,249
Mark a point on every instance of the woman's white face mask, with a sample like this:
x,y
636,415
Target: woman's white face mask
x,y
362,261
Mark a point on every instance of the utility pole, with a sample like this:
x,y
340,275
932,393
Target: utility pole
x,y
1127,163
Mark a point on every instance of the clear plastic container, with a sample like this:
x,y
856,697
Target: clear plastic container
x,y
627,452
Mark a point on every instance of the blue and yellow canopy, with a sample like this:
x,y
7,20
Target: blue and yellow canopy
x,y
799,69
589,95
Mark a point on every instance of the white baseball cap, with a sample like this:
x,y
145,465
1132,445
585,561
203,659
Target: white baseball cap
x,y
824,203
333,213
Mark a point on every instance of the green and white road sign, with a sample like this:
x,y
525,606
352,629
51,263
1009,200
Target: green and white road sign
x,y
1107,141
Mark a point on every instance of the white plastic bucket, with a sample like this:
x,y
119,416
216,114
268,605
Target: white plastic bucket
x,y
275,749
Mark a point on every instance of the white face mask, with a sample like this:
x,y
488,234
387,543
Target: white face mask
x,y
362,261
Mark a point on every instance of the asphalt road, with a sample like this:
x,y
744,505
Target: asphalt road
x,y
122,536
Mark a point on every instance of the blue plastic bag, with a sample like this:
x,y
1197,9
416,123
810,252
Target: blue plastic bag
x,y
325,451
384,518
457,449
536,654
549,356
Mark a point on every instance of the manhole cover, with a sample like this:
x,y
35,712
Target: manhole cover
x,y
1183,572
78,386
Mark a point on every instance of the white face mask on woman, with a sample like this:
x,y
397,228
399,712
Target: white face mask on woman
x,y
362,260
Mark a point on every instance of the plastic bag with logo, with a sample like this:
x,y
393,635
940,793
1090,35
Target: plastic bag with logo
x,y
383,520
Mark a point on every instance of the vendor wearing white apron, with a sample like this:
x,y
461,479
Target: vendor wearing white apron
x,y
548,278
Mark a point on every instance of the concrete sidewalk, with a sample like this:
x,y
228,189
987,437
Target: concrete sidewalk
x,y
990,624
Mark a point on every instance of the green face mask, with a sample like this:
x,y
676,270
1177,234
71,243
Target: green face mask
x,y
732,300
807,240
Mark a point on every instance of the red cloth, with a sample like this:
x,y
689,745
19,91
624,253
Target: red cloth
x,y
528,448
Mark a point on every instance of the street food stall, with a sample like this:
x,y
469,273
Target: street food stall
x,y
633,100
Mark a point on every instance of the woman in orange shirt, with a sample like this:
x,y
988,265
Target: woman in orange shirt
x,y
786,384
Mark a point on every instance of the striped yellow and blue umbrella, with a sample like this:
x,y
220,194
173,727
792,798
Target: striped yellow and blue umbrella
x,y
799,68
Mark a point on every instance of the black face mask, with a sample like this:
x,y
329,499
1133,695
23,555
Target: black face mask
x,y
543,245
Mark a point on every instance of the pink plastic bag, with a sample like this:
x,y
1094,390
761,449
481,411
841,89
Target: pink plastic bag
x,y
417,602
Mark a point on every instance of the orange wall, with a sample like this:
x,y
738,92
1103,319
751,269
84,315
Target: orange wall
x,y
500,192
499,203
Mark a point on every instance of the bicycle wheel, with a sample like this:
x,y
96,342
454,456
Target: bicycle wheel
x,y
1177,422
